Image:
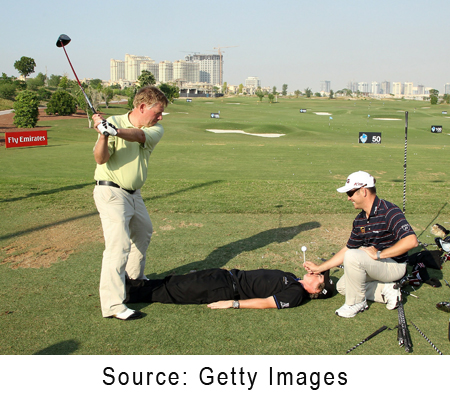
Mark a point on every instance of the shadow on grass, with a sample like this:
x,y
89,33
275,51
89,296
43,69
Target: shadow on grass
x,y
37,228
46,192
200,185
80,186
219,257
61,348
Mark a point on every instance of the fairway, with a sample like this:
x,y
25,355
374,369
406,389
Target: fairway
x,y
220,194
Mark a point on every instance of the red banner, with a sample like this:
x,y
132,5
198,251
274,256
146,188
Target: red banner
x,y
22,139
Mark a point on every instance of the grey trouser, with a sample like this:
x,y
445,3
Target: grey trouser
x,y
127,229
364,277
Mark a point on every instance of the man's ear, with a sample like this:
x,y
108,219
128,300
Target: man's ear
x,y
142,107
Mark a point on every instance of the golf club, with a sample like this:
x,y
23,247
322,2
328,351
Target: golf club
x,y
63,41
367,338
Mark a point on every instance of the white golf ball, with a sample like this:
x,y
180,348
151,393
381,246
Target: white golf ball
x,y
303,248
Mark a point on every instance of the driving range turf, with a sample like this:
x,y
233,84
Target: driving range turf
x,y
220,200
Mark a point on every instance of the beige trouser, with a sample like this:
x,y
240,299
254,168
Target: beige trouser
x,y
127,229
364,277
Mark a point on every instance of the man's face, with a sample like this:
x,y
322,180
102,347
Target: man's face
x,y
356,197
314,280
152,115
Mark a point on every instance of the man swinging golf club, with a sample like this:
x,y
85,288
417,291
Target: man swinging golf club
x,y
376,252
122,153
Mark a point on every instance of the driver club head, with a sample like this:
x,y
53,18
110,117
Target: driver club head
x,y
63,40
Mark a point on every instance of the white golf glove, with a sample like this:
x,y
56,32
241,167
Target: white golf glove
x,y
107,129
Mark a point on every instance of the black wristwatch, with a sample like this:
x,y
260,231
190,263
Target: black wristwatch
x,y
235,303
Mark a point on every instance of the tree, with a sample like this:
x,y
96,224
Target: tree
x,y
171,91
274,90
61,103
284,90
7,91
107,94
308,92
331,96
54,80
25,66
271,96
225,88
434,96
241,87
26,111
260,94
64,83
447,98
317,94
145,79
36,83
297,93
96,84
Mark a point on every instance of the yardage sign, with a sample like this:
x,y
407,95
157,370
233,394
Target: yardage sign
x,y
23,139
302,110
215,115
436,128
369,137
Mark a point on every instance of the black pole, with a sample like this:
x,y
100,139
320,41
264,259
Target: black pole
x,y
404,165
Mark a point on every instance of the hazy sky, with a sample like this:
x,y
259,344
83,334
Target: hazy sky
x,y
295,42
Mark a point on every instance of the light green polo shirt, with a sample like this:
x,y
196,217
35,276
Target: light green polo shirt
x,y
128,162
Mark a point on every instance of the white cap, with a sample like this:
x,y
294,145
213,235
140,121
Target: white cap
x,y
357,180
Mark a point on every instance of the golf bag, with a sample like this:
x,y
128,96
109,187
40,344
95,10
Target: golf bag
x,y
420,262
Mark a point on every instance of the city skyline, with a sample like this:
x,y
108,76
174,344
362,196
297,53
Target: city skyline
x,y
297,43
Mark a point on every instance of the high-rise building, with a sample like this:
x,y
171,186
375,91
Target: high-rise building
x,y
386,87
397,88
165,71
375,88
408,89
117,70
210,67
363,87
186,71
253,81
447,88
133,66
325,86
151,67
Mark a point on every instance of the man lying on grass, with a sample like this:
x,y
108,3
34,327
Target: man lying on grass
x,y
220,288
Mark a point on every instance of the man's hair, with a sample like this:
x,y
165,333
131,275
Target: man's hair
x,y
320,288
372,190
150,95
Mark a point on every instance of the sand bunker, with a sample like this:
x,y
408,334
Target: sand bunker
x,y
388,119
322,113
246,133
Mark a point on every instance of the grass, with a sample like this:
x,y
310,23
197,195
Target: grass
x,y
218,200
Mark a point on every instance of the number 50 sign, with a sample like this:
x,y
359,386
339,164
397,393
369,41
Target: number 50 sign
x,y
369,137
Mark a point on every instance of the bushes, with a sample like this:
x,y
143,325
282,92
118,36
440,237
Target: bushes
x,y
26,112
61,103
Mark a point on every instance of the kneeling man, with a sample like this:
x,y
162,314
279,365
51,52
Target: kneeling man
x,y
376,252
